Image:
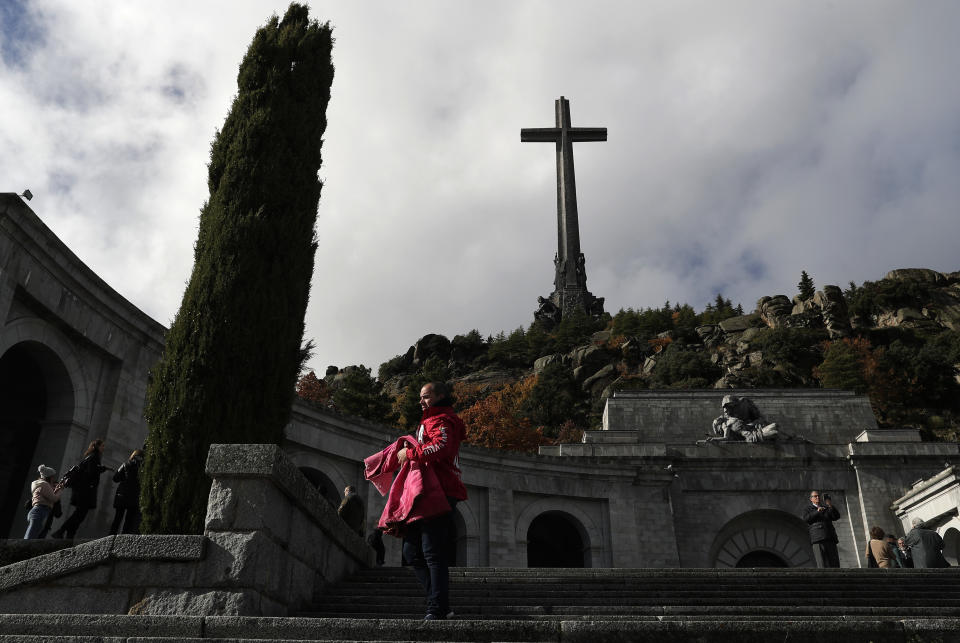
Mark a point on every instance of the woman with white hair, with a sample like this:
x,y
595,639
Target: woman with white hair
x,y
43,495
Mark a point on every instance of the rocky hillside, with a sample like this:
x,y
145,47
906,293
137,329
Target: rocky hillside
x,y
896,339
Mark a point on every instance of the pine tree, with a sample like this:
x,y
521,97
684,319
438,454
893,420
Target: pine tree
x,y
232,354
360,395
806,287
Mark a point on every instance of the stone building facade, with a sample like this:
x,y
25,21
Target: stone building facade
x,y
648,490
74,361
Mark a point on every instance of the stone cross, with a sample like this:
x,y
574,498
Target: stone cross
x,y
570,288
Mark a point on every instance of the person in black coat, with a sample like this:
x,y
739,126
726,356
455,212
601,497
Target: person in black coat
x,y
926,546
83,480
819,515
126,501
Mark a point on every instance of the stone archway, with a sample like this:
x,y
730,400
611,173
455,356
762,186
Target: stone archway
x,y
36,399
762,538
557,539
331,492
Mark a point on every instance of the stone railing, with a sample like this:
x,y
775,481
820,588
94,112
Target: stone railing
x,y
270,543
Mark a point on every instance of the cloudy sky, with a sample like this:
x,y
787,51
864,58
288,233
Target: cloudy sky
x,y
747,141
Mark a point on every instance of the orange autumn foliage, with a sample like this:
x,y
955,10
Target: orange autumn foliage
x,y
659,343
495,421
313,389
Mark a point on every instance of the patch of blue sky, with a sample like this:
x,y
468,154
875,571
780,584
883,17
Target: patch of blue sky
x,y
176,88
751,264
74,95
61,182
20,33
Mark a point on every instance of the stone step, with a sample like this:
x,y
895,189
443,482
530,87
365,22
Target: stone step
x,y
134,629
385,610
643,595
479,589
547,577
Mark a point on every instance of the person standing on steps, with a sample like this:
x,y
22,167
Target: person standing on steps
x,y
83,480
425,542
351,510
926,546
43,496
126,500
819,515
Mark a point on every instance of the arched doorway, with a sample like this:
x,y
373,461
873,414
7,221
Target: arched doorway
x,y
35,393
763,538
457,540
556,539
761,558
951,546
324,485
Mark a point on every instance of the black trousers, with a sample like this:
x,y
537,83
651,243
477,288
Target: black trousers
x,y
132,523
69,528
826,555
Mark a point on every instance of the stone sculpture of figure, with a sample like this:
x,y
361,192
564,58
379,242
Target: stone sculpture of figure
x,y
596,307
547,312
742,421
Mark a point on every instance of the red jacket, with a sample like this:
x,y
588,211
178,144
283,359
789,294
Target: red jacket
x,y
415,493
440,435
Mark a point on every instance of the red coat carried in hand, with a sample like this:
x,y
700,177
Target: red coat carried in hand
x,y
415,493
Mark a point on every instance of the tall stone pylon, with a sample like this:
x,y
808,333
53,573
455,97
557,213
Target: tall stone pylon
x,y
570,281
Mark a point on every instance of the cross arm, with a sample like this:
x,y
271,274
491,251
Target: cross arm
x,y
540,135
588,133
552,134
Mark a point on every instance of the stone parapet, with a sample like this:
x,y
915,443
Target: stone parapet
x,y
271,543
821,416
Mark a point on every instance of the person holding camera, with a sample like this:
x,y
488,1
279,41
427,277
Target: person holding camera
x,y
819,515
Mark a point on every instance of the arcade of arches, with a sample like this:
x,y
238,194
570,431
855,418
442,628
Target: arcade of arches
x,y
644,491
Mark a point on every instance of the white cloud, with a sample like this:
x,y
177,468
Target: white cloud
x,y
747,141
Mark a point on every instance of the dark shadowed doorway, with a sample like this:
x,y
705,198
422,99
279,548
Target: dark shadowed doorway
x,y
555,539
761,559
35,389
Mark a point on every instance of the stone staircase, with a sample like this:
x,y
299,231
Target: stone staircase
x,y
579,605
585,594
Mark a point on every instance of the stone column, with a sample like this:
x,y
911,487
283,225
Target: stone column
x,y
503,525
273,541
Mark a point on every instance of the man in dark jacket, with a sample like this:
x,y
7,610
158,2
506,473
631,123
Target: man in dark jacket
x,y
926,546
819,515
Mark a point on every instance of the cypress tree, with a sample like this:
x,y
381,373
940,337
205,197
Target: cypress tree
x,y
233,352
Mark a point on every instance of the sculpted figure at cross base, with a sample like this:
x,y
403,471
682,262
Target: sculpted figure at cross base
x,y
547,312
742,421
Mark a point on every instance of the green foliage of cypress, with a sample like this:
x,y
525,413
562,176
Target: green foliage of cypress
x,y
232,354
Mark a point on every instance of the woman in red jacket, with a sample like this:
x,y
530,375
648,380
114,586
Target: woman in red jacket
x,y
425,542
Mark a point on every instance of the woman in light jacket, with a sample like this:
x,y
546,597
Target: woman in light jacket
x,y
880,549
43,495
